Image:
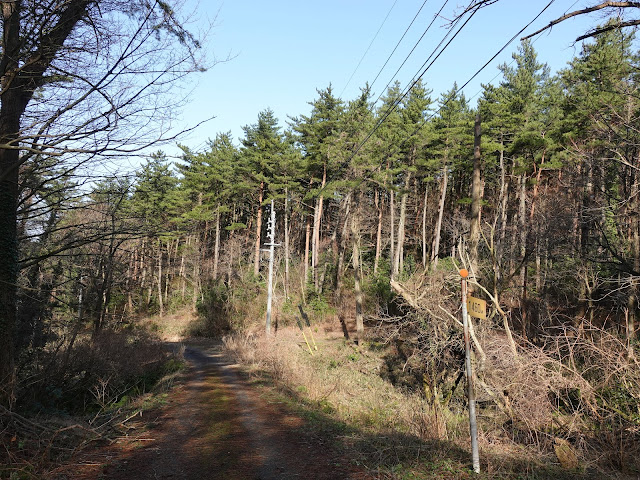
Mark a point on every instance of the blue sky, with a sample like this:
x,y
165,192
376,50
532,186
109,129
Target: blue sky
x,y
284,50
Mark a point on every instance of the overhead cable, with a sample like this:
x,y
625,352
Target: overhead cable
x,y
400,41
413,49
416,79
417,129
369,47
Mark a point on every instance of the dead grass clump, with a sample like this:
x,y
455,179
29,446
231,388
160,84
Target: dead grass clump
x,y
611,366
71,397
263,355
171,327
576,395
90,375
576,387
340,388
29,445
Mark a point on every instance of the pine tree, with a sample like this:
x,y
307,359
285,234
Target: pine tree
x,y
208,187
154,202
413,114
389,135
351,185
448,151
314,134
601,133
262,149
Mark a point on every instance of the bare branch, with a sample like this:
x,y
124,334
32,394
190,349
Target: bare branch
x,y
615,26
584,11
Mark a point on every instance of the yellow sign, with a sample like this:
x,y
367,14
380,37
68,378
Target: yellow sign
x,y
477,308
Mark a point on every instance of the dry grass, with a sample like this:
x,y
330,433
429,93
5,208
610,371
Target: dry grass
x,y
340,377
72,397
172,327
381,425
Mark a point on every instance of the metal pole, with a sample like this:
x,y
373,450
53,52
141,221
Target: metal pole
x,y
272,237
473,425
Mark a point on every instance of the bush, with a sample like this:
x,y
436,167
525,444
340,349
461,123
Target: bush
x,y
97,372
213,312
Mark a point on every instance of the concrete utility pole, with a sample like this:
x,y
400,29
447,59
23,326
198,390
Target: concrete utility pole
x,y
271,244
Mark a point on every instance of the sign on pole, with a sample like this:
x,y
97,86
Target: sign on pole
x,y
473,425
477,308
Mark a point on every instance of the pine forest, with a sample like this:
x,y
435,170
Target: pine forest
x,y
379,202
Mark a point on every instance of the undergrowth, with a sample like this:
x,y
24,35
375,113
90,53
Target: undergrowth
x,y
394,433
75,396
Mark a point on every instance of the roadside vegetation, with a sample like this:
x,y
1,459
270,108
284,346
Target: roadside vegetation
x,y
87,397
396,404
379,200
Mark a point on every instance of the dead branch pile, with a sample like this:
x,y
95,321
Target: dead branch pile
x,y
581,385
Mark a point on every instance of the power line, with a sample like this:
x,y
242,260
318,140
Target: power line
x,y
414,81
422,124
414,47
400,41
367,50
389,111
513,60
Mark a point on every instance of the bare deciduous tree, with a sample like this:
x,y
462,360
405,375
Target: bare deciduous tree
x,y
81,82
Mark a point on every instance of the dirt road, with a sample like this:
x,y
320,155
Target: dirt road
x,y
216,426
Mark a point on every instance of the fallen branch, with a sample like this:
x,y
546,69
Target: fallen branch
x,y
400,290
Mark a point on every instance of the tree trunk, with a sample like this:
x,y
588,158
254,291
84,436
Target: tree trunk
x,y
148,273
256,259
342,244
10,113
342,241
317,221
504,202
355,231
435,249
378,232
392,233
314,241
196,273
108,279
424,227
160,301
216,248
476,197
399,253
167,273
143,266
307,236
18,84
182,272
230,255
129,281
523,252
286,243
632,299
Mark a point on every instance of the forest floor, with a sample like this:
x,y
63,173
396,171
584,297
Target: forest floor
x,y
214,425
